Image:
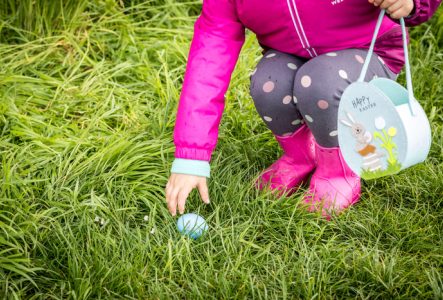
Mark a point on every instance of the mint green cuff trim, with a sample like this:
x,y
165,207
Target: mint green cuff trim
x,y
191,167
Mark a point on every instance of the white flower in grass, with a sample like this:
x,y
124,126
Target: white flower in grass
x,y
152,230
100,221
380,123
145,218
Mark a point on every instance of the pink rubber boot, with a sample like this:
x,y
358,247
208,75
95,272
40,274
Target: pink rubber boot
x,y
293,166
334,186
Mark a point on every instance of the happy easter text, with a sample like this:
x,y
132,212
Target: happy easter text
x,y
363,103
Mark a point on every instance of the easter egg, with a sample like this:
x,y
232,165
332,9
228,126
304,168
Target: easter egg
x,y
192,225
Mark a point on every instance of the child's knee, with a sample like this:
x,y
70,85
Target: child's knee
x,y
274,75
316,87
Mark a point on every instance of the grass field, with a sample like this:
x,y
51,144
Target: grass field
x,y
88,100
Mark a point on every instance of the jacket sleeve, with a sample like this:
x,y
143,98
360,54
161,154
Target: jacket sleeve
x,y
215,47
423,11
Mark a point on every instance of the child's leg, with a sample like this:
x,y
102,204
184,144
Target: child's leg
x,y
318,86
272,84
320,82
272,91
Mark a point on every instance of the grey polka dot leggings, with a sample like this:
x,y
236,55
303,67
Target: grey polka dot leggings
x,y
289,91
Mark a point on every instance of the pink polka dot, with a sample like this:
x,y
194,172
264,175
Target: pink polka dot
x,y
306,81
323,104
359,59
268,86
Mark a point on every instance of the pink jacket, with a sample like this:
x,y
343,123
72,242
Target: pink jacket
x,y
305,28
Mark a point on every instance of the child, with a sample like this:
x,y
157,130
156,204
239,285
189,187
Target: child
x,y
312,51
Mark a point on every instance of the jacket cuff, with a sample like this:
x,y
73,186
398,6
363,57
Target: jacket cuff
x,y
193,153
191,167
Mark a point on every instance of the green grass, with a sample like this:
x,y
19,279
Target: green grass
x,y
88,102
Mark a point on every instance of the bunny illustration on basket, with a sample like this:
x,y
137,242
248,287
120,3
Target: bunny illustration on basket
x,y
389,125
371,157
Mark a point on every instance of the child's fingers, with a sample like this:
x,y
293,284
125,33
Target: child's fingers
x,y
394,7
168,191
203,190
182,196
400,13
387,3
377,2
172,203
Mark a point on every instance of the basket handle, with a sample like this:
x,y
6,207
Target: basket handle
x,y
364,70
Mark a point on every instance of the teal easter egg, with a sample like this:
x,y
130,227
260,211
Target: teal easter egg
x,y
192,225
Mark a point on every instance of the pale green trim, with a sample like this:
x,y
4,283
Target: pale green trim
x,y
191,167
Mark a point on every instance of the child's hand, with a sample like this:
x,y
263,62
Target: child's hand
x,y
178,188
395,8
